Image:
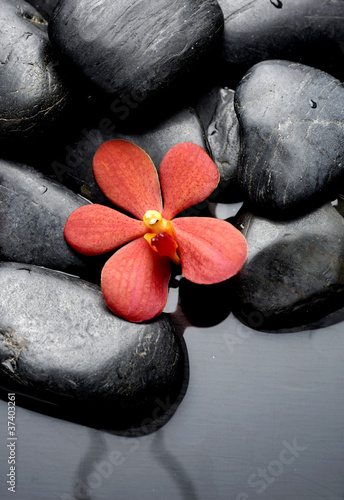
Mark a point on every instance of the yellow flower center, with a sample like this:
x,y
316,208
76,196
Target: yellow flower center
x,y
162,236
154,221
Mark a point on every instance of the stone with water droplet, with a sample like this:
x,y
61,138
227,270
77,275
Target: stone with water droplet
x,y
292,153
297,30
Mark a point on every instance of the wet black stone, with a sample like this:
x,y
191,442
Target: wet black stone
x,y
291,118
60,343
205,105
294,273
33,213
217,113
134,50
205,305
73,164
33,94
298,30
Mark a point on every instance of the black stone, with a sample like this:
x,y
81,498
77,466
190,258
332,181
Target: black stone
x,y
205,305
291,118
205,105
33,94
73,165
217,113
294,273
298,30
60,343
33,213
133,50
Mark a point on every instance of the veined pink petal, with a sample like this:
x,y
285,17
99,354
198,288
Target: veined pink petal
x,y
96,229
135,282
210,250
188,176
128,177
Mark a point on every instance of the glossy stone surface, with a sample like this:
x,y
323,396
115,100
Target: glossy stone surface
x,y
135,48
33,212
73,165
294,272
205,306
60,343
224,143
291,118
283,29
33,93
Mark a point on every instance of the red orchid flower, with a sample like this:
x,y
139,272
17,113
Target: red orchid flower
x,y
135,279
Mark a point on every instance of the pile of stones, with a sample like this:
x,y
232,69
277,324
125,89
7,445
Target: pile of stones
x,y
257,84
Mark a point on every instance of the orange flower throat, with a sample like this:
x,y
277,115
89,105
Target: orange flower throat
x,y
162,236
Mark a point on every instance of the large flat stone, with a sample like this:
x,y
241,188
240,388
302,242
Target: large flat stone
x,y
135,49
60,343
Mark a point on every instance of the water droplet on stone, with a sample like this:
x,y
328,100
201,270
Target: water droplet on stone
x,y
277,3
7,364
212,129
42,189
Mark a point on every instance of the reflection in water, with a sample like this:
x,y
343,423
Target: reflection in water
x,y
334,318
205,305
174,468
87,478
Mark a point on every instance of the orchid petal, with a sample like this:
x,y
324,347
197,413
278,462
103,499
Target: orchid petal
x,y
128,177
96,229
188,176
135,282
211,250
